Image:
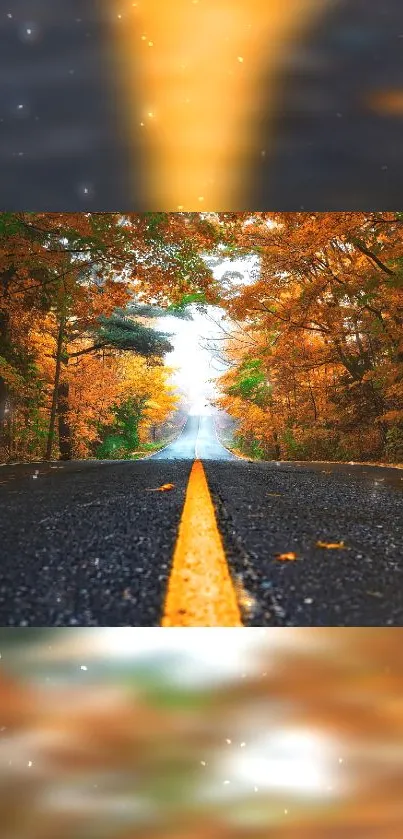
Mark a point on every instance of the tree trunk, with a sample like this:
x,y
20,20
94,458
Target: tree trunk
x,y
65,442
277,449
313,400
5,425
59,353
4,340
3,401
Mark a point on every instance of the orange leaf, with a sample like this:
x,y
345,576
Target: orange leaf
x,y
335,545
287,556
163,488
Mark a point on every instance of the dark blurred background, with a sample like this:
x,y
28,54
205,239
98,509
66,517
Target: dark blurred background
x,y
333,140
338,137
61,143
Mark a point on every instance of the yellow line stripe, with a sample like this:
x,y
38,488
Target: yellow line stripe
x,y
200,590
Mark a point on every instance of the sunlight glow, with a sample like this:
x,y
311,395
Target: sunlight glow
x,y
205,75
290,759
211,653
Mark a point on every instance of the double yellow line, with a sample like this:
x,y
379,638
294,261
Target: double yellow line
x,y
200,589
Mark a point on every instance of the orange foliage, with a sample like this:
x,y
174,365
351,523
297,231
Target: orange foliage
x,y
324,319
59,273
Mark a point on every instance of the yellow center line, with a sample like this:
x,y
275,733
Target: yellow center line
x,y
200,590
205,70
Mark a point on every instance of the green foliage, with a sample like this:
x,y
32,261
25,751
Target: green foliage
x,y
154,226
121,437
113,447
180,309
251,383
293,449
127,418
250,446
122,332
144,310
9,224
394,444
11,376
32,435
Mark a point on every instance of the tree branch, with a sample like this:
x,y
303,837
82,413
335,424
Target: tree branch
x,y
374,258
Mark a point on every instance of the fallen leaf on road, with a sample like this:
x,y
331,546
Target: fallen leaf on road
x,y
287,556
163,488
332,545
374,593
277,494
245,599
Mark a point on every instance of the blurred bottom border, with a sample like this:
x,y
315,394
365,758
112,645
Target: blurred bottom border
x,y
203,733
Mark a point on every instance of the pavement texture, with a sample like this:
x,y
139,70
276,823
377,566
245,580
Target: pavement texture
x,y
90,543
265,509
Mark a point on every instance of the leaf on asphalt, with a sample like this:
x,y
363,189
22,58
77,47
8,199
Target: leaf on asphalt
x,y
330,545
276,494
163,488
245,599
289,555
375,593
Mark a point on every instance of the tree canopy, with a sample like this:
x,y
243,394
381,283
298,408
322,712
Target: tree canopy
x,y
313,342
316,354
77,290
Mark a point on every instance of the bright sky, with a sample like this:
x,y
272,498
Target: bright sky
x,y
195,364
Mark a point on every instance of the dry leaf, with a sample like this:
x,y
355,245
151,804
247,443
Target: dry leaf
x,y
335,545
163,488
287,556
245,599
276,494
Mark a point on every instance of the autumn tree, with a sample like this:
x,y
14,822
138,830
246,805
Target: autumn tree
x,y
325,310
64,278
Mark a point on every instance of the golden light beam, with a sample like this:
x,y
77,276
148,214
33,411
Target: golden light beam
x,y
199,66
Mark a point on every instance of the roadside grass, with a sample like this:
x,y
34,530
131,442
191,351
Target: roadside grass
x,y
149,448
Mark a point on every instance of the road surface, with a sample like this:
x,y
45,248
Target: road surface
x,y
92,543
198,440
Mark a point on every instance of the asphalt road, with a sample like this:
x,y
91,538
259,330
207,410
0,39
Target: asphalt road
x,y
323,146
88,543
198,440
